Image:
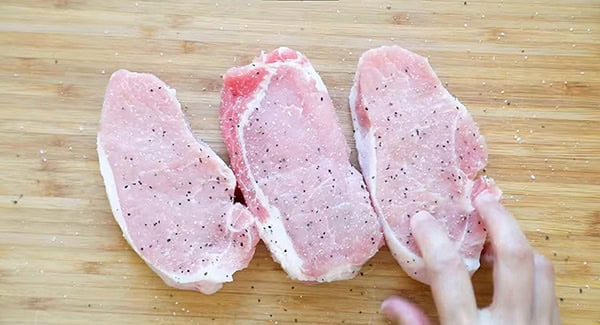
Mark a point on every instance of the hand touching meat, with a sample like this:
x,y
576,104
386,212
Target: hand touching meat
x,y
523,279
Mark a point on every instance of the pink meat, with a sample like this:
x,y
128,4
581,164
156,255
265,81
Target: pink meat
x,y
419,149
171,194
291,159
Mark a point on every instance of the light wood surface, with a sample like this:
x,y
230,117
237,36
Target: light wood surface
x,y
527,70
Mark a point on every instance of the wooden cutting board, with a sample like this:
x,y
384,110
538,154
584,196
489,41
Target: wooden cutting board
x,y
527,71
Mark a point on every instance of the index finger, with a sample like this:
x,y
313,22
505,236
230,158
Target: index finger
x,y
448,275
513,258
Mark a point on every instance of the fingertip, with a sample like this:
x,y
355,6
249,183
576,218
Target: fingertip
x,y
402,311
427,229
388,307
484,198
428,232
543,265
488,206
420,218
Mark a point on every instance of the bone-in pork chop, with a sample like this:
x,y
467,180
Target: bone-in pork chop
x,y
171,194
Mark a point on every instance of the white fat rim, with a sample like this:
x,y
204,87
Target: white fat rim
x,y
273,228
365,142
197,281
368,165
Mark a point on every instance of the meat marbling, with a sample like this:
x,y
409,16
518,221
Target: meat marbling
x,y
291,159
419,149
171,194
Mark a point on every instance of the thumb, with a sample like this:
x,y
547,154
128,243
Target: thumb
x,y
404,312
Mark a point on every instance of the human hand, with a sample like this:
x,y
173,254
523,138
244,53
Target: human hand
x,y
523,279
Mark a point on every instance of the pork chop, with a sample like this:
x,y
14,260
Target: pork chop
x,y
171,194
287,149
419,149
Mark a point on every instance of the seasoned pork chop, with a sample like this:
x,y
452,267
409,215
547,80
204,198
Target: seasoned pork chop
x,y
419,149
291,159
171,194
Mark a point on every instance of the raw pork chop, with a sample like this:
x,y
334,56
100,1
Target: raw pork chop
x,y
419,149
171,194
290,156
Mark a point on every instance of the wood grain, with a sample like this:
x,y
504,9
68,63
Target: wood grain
x,y
527,70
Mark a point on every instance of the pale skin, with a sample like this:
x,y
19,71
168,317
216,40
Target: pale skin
x,y
523,279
